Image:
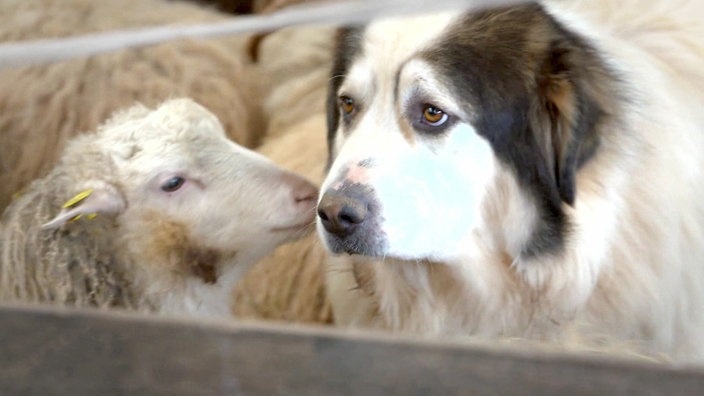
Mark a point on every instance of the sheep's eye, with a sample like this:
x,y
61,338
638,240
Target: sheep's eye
x,y
346,104
434,116
173,184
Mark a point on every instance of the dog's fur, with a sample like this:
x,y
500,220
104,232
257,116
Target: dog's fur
x,y
562,193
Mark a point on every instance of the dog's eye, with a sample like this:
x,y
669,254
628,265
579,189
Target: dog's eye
x,y
434,116
173,184
347,104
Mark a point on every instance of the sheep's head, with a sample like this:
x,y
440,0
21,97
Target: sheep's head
x,y
181,193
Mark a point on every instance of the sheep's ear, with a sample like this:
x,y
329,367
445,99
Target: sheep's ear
x,y
89,203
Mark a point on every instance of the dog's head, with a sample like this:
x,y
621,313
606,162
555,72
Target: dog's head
x,y
444,127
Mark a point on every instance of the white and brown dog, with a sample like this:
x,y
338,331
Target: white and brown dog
x,y
529,171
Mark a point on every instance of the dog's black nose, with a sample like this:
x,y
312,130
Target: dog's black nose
x,y
341,214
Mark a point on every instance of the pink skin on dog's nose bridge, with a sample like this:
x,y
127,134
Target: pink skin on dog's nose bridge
x,y
356,174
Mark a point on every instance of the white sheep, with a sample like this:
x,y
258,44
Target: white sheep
x,y
182,213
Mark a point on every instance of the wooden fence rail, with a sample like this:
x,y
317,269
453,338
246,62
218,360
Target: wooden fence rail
x,y
50,351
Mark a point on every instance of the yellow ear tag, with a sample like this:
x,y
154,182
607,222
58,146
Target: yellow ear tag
x,y
78,198
89,217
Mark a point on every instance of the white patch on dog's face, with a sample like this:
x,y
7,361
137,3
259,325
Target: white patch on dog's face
x,y
430,198
425,187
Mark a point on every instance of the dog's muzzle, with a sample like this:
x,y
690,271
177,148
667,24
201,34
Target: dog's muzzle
x,y
350,216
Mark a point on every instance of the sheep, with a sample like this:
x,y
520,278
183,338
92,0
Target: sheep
x,y
41,107
182,213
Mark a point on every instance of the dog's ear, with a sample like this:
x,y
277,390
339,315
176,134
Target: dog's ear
x,y
571,112
347,45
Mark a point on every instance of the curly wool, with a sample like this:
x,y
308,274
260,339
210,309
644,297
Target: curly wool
x,y
41,107
75,265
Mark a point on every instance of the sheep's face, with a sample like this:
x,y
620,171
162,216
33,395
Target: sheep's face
x,y
181,166
189,191
231,199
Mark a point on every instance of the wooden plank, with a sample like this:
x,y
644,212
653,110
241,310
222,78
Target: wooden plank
x,y
49,351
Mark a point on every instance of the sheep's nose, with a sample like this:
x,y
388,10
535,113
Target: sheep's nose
x,y
341,214
303,192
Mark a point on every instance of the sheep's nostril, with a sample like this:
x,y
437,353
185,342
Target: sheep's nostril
x,y
302,191
322,215
307,193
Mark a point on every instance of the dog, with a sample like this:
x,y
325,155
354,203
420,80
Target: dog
x,y
532,171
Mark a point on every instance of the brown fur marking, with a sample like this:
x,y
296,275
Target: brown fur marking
x,y
202,264
171,246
